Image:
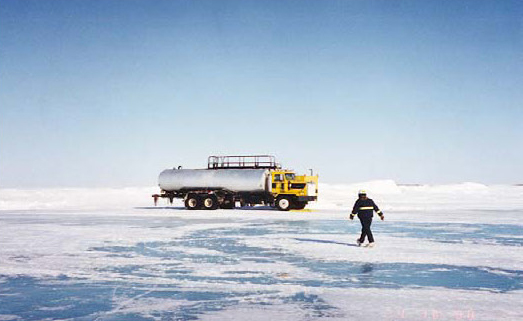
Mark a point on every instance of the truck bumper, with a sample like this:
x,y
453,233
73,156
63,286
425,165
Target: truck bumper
x,y
307,198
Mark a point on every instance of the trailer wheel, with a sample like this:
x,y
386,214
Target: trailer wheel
x,y
283,203
193,202
210,202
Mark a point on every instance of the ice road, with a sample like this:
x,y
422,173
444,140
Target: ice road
x,y
443,253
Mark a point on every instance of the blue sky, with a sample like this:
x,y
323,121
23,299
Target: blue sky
x,y
108,93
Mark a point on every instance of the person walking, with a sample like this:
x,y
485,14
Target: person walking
x,y
365,208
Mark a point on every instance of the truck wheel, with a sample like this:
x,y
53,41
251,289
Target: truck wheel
x,y
210,202
299,205
193,202
283,203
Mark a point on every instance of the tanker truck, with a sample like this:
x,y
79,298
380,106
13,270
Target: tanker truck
x,y
247,180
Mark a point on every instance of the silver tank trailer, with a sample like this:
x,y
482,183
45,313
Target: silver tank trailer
x,y
238,180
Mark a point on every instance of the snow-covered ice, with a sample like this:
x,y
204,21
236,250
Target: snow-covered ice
x,y
448,252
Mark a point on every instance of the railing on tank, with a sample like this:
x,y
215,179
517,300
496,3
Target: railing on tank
x,y
240,162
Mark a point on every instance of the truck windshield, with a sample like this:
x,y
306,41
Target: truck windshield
x,y
290,176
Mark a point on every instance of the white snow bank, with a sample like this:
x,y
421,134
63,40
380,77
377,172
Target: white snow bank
x,y
390,196
76,198
379,187
387,194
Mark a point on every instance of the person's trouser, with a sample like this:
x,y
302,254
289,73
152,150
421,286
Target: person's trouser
x,y
365,229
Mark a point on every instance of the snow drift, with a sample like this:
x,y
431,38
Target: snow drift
x,y
388,194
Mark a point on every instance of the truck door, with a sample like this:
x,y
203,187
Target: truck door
x,y
278,183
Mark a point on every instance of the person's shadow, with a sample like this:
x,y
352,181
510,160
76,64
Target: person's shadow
x,y
324,241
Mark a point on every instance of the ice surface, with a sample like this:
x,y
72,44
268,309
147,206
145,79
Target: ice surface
x,y
443,253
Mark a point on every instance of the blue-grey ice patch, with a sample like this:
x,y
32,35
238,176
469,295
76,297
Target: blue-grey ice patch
x,y
159,279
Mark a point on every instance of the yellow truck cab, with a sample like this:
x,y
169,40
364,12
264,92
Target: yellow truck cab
x,y
291,191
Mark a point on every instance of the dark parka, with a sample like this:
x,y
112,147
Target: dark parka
x,y
365,208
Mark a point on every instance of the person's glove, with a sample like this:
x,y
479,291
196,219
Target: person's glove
x,y
352,216
382,217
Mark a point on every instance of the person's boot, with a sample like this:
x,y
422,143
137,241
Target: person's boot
x,y
371,244
358,241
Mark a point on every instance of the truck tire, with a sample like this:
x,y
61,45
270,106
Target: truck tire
x,y
283,203
299,205
210,202
193,202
